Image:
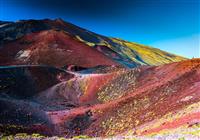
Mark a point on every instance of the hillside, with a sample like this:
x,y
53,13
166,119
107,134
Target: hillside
x,y
20,38
54,48
148,101
146,55
60,80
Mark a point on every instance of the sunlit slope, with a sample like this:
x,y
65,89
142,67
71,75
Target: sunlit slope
x,y
133,54
146,55
125,53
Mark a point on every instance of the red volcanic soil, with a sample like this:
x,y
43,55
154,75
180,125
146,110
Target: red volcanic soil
x,y
55,48
157,91
142,101
175,123
93,85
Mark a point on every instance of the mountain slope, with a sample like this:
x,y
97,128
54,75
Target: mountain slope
x,y
146,55
121,88
145,101
142,101
54,48
124,53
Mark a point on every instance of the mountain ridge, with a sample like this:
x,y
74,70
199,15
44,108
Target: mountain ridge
x,y
123,52
60,80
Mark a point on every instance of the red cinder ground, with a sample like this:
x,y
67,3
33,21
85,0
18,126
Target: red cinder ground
x,y
168,89
142,101
55,48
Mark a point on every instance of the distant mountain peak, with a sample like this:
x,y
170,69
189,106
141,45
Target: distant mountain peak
x,y
59,20
123,52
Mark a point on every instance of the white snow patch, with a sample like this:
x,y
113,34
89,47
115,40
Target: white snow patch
x,y
3,25
23,54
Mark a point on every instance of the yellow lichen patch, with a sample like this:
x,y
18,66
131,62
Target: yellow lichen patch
x,y
88,43
147,55
194,130
170,117
119,86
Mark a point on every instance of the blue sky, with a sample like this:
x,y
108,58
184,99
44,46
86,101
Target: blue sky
x,y
171,25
